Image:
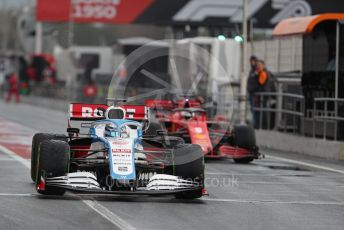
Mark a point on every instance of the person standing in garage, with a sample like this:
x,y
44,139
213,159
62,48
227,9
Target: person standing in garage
x,y
258,82
13,88
252,84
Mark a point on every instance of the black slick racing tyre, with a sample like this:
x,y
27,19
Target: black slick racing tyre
x,y
36,141
188,161
244,137
53,159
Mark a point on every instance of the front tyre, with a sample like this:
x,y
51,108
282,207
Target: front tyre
x,y
188,161
244,137
37,139
153,128
53,159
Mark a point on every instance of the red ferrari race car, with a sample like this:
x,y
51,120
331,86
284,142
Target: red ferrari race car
x,y
110,152
218,138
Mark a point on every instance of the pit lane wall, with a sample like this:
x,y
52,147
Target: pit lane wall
x,y
266,139
332,150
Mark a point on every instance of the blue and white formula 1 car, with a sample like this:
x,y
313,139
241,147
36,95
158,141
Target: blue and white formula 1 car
x,y
115,156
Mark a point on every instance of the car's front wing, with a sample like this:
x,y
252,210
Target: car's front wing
x,y
85,182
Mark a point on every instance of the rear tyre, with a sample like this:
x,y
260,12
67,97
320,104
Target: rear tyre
x,y
37,139
244,137
188,161
53,159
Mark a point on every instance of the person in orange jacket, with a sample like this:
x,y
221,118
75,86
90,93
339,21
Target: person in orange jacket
x,y
258,82
263,77
13,88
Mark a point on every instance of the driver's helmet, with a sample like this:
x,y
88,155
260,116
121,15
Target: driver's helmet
x,y
111,131
186,115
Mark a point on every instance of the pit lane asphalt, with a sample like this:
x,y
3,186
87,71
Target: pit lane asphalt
x,y
267,194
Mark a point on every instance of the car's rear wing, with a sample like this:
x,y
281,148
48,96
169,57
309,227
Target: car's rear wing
x,y
160,104
169,105
92,112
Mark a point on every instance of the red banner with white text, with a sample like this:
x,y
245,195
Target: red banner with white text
x,y
91,11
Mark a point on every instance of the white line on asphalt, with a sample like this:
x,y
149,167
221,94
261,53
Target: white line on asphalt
x,y
255,175
17,194
107,214
274,201
94,205
281,183
6,159
325,176
298,162
21,160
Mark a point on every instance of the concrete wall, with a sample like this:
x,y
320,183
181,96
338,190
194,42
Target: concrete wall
x,y
303,145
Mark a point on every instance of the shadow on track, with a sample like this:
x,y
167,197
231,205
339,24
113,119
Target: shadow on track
x,y
121,198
